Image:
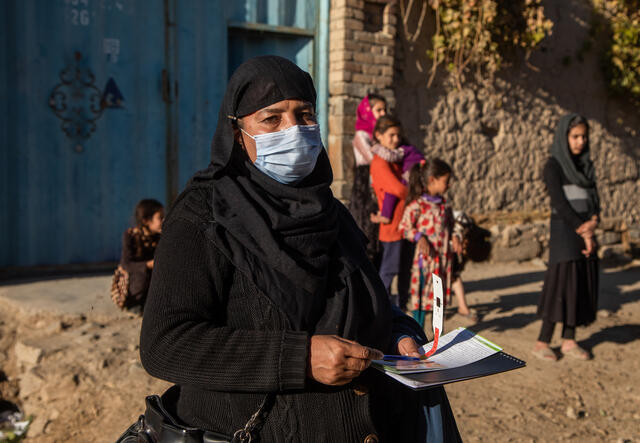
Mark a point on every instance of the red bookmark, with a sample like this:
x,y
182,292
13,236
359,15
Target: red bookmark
x,y
434,347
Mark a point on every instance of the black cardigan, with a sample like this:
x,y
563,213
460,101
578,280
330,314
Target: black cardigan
x,y
568,212
211,331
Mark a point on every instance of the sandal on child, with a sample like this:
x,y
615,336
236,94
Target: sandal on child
x,y
545,354
576,352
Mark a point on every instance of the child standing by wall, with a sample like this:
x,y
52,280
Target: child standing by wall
x,y
386,179
362,202
131,279
570,292
428,221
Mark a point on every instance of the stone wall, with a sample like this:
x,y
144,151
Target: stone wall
x,y
528,238
361,59
497,135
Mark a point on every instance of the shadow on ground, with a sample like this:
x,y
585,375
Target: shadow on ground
x,y
611,298
503,282
621,334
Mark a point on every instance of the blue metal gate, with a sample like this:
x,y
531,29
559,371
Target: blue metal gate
x,y
110,101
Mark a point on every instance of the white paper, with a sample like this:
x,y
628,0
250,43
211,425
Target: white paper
x,y
457,348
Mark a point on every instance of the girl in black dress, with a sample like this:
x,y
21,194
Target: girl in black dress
x,y
570,292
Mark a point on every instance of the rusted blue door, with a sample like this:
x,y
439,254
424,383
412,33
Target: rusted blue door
x,y
106,102
85,125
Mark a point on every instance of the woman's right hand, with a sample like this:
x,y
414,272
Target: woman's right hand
x,y
150,264
336,361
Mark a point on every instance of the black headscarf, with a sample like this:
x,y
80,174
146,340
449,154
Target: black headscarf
x,y
297,243
579,169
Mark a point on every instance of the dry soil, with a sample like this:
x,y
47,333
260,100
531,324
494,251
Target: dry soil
x,y
79,375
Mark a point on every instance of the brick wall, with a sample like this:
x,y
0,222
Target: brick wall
x,y
361,59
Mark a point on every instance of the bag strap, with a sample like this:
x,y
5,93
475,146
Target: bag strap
x,y
256,421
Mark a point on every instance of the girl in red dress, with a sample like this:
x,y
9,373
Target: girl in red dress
x,y
428,221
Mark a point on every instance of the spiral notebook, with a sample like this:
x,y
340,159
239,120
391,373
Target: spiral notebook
x,y
494,364
463,355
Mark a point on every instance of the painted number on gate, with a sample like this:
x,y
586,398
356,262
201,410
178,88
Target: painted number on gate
x,y
79,12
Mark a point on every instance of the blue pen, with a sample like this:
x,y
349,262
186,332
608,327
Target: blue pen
x,y
400,357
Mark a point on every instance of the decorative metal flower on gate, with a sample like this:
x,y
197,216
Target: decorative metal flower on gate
x,y
77,101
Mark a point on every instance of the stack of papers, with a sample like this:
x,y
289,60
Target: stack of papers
x,y
461,355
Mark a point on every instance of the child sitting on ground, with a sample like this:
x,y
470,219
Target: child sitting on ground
x,y
131,280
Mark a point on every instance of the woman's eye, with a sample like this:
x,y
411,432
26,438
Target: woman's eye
x,y
272,119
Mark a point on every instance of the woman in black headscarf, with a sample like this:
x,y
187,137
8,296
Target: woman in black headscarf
x,y
262,298
570,292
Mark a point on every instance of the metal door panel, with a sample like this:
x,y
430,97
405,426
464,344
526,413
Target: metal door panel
x,y
201,73
70,198
293,13
246,44
66,199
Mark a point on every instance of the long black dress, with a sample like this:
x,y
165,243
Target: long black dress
x,y
570,291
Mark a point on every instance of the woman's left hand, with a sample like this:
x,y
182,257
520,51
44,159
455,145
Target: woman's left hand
x,y
408,346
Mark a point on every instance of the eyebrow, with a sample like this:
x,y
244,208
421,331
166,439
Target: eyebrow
x,y
279,110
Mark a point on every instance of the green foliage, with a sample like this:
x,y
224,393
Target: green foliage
x,y
623,57
479,33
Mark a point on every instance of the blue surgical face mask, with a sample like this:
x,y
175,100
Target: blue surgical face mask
x,y
290,155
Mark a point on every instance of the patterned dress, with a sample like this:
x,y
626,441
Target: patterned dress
x,y
431,218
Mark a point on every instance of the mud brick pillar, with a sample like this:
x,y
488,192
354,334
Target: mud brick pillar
x,y
361,56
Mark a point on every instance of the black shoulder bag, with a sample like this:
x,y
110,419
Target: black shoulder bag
x,y
158,426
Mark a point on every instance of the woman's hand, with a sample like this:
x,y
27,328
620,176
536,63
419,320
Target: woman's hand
x,y
377,218
423,246
408,346
336,361
150,264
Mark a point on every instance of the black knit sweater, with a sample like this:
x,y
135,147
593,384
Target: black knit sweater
x,y
211,331
565,244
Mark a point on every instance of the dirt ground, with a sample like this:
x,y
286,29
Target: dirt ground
x,y
79,374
